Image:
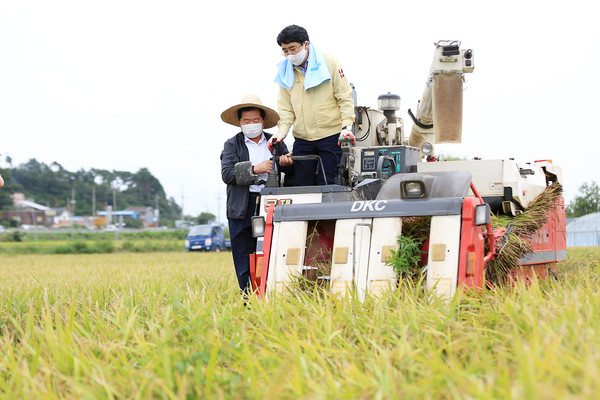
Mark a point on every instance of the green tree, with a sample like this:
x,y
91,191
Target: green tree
x,y
5,199
205,218
587,202
48,185
146,186
174,210
133,223
53,186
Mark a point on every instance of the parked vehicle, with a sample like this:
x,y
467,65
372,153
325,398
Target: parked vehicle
x,y
206,238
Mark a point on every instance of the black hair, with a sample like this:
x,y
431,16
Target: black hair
x,y
241,110
292,33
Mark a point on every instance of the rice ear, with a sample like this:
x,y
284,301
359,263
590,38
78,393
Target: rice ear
x,y
523,226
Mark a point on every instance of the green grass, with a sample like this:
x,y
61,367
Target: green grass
x,y
57,234
80,246
173,326
84,242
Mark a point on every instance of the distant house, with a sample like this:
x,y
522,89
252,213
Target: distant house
x,y
123,214
145,214
27,212
62,217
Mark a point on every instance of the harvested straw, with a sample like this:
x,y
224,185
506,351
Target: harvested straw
x,y
515,245
416,228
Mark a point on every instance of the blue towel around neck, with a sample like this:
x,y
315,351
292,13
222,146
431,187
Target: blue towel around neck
x,y
316,71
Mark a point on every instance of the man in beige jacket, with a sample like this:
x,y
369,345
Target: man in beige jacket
x,y
316,99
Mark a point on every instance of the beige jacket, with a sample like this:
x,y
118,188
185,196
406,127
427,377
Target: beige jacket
x,y
320,111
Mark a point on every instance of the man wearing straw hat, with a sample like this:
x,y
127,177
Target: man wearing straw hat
x,y
251,144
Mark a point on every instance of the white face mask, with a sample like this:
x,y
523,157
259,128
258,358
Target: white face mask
x,y
252,130
297,58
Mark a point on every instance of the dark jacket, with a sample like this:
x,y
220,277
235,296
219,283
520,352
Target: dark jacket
x,y
235,151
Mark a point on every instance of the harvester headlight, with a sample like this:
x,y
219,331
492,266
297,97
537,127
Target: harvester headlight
x,y
426,148
413,189
258,226
482,214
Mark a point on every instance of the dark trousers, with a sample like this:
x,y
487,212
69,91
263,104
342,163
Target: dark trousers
x,y
243,243
307,173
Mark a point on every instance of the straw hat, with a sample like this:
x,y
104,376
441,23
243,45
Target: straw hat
x,y
250,100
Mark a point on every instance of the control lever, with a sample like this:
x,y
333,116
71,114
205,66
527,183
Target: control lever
x,y
273,177
346,145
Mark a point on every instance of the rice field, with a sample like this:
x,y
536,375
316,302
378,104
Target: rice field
x,y
173,326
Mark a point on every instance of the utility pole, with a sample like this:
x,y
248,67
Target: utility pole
x,y
34,222
114,189
156,212
72,210
182,214
93,201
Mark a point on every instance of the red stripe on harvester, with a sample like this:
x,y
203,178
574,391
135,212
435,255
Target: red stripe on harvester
x,y
266,250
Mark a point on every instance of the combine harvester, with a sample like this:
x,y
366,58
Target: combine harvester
x,y
343,235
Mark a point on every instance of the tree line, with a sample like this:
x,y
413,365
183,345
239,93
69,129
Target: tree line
x,y
87,191
586,202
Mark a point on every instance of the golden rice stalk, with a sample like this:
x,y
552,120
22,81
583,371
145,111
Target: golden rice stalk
x,y
416,228
516,245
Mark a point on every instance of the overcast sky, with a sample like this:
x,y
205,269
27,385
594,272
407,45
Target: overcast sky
x,y
131,84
